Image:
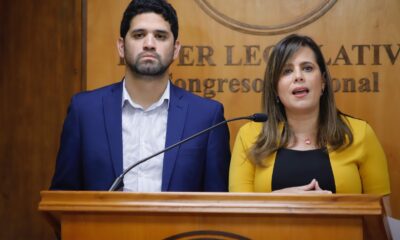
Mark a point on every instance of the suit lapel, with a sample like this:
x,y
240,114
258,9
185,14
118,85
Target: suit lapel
x,y
113,122
175,125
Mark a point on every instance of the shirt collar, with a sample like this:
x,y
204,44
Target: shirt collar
x,y
126,98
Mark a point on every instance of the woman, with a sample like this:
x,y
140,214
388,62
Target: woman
x,y
306,145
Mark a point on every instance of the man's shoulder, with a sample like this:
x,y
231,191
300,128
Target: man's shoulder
x,y
98,92
93,99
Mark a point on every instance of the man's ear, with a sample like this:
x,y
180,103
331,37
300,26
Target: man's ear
x,y
177,48
121,47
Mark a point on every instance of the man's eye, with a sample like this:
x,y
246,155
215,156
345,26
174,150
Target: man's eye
x,y
161,36
138,35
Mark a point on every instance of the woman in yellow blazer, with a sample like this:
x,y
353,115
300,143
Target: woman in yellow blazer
x,y
306,145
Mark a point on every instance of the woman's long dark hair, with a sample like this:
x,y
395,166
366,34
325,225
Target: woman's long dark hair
x,y
333,129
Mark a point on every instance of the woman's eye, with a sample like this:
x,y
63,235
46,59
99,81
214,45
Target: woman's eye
x,y
308,68
286,71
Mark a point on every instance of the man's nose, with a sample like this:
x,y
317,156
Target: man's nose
x,y
149,42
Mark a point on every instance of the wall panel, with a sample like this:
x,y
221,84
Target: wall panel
x,y
40,69
225,47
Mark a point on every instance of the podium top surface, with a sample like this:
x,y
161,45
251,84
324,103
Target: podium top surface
x,y
178,202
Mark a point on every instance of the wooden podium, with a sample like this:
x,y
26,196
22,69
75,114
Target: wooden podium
x,y
119,215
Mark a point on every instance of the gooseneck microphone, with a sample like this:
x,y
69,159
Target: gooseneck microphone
x,y
257,117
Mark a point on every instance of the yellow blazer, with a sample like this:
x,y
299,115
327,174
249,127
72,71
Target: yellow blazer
x,y
360,168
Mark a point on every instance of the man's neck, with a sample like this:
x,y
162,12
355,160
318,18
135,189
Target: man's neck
x,y
146,90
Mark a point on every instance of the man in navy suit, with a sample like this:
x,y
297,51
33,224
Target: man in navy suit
x,y
109,129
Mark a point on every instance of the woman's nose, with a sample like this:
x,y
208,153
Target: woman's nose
x,y
298,74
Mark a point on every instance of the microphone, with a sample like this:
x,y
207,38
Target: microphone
x,y
257,117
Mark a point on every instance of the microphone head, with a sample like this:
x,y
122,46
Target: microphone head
x,y
259,117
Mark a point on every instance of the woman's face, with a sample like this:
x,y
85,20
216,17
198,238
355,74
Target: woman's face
x,y
300,84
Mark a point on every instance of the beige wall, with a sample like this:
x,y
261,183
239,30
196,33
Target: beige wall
x,y
225,46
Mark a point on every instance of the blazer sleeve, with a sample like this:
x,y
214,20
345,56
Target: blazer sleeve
x,y
373,168
218,155
67,175
242,170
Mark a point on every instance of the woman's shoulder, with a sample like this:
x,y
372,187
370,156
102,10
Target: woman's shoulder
x,y
355,123
360,128
250,130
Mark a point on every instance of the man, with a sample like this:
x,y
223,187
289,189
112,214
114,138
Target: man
x,y
109,129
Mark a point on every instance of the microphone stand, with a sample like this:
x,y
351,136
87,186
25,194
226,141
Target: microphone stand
x,y
255,117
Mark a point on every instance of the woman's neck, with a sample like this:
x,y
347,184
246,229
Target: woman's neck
x,y
305,129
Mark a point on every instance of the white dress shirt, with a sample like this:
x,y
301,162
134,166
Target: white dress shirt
x,y
143,134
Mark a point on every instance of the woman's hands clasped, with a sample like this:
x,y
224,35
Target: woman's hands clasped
x,y
312,187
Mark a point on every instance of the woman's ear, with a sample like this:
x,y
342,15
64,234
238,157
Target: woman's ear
x,y
323,84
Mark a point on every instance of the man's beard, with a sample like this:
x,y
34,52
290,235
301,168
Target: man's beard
x,y
155,67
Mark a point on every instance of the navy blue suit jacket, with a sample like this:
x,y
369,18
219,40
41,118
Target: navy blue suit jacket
x,y
90,154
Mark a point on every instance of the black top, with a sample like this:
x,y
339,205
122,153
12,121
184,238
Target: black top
x,y
296,168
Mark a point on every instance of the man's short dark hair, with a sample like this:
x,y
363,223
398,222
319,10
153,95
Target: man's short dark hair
x,y
161,7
